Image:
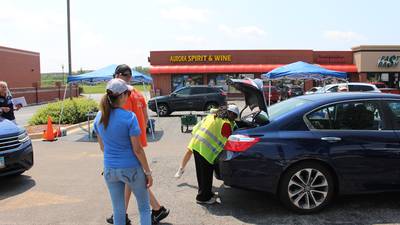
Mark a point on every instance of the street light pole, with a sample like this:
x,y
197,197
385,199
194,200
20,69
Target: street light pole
x,y
69,48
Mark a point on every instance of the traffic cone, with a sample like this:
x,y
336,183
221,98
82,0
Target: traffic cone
x,y
48,134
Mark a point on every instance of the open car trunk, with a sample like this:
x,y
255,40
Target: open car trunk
x,y
254,99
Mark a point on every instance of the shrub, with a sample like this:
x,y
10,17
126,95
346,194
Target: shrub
x,y
75,111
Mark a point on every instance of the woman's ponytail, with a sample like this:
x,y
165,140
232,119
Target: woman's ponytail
x,y
105,108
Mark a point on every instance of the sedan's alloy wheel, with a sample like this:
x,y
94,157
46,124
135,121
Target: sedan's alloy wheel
x,y
308,188
162,110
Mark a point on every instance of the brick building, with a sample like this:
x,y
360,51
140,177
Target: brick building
x,y
174,69
21,70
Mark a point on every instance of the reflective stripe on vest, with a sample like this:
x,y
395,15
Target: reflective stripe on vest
x,y
207,138
204,141
212,136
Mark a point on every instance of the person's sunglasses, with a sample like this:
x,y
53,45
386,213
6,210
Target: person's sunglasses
x,y
126,74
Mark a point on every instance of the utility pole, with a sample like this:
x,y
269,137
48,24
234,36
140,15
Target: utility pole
x,y
63,74
69,48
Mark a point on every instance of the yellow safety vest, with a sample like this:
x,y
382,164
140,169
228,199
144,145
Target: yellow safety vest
x,y
207,139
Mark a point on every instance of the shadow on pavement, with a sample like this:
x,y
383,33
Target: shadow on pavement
x,y
15,185
261,208
158,134
187,185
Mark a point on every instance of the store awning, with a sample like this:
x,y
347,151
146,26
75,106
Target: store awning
x,y
237,68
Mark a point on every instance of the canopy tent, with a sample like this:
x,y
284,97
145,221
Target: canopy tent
x,y
301,71
105,74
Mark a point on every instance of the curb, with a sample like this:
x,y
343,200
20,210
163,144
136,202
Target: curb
x,y
69,128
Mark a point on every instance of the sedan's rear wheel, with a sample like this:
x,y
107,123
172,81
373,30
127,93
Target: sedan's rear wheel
x,y
163,110
307,187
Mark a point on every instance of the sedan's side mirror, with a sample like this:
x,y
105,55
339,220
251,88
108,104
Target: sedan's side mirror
x,y
173,94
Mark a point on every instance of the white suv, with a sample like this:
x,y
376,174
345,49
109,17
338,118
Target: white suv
x,y
353,87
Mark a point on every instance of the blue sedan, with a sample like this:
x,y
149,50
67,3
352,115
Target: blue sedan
x,y
308,149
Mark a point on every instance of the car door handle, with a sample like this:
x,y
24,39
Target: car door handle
x,y
331,139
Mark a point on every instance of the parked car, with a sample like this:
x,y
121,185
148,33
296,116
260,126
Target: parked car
x,y
379,84
275,94
352,87
295,91
390,90
194,98
289,91
308,149
16,153
312,90
385,89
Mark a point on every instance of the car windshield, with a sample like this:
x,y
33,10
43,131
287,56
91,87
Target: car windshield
x,y
284,107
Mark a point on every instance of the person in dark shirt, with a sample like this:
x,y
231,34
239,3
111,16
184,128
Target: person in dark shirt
x,y
6,104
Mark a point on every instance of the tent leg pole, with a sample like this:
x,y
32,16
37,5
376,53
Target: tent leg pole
x,y
155,100
62,106
151,124
269,93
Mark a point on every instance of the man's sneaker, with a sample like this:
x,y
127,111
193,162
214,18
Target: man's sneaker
x,y
212,200
110,220
179,173
157,216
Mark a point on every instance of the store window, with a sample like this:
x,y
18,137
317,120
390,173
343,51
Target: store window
x,y
220,80
179,81
382,80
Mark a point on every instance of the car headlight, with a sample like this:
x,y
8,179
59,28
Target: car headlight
x,y
24,137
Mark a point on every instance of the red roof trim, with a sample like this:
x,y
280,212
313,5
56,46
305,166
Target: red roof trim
x,y
237,68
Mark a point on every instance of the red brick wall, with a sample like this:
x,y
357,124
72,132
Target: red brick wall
x,y
163,81
40,95
19,68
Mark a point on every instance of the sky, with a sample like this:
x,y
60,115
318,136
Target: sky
x,y
125,31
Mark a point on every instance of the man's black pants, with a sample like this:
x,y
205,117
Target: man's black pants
x,y
204,172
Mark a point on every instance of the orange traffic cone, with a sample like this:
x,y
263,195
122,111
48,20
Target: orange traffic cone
x,y
48,134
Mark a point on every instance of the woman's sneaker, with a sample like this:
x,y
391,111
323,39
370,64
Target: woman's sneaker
x,y
157,216
179,173
110,220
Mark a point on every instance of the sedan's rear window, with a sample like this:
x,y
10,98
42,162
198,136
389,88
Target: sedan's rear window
x,y
284,107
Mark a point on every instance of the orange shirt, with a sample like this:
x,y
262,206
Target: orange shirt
x,y
137,103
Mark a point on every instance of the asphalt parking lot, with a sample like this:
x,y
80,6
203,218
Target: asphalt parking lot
x,y
65,187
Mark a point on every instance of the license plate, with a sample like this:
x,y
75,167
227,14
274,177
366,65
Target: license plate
x,y
2,163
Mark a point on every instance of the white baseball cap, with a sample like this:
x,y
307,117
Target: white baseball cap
x,y
234,109
118,86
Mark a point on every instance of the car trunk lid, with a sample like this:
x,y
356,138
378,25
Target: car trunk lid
x,y
252,90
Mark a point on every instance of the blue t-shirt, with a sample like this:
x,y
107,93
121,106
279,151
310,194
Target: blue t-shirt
x,y
118,151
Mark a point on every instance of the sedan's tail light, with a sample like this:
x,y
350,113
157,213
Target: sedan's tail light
x,y
224,93
240,143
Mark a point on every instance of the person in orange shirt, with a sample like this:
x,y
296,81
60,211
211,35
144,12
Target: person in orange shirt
x,y
137,103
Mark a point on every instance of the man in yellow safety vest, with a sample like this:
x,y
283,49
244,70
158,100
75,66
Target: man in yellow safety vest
x,y
209,138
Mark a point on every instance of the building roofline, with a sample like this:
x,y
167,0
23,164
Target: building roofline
x,y
376,48
15,50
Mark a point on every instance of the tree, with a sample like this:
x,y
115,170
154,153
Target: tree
x,y
141,69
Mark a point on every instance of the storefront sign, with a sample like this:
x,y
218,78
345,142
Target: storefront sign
x,y
200,58
388,61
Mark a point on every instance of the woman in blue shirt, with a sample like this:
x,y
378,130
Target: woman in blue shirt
x,y
124,159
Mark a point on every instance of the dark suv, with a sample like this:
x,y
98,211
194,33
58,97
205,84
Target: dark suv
x,y
194,98
16,153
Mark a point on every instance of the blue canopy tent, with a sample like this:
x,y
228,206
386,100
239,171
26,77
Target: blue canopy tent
x,y
302,71
106,74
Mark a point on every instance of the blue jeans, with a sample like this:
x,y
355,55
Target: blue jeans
x,y
134,177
